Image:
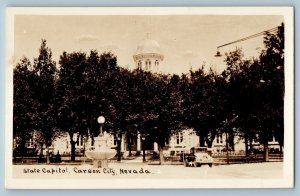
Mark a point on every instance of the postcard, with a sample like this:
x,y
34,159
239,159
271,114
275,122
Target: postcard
x,y
149,97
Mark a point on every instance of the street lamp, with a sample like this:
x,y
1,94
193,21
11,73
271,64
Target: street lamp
x,y
101,121
275,29
144,158
218,54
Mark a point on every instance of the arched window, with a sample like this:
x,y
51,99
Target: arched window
x,y
156,63
139,64
148,64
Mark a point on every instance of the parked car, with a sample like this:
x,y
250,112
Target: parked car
x,y
197,157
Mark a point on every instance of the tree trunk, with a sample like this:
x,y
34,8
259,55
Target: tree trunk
x,y
130,146
231,141
246,146
266,152
41,154
23,149
73,150
251,144
47,154
201,141
119,142
119,150
130,151
209,144
161,155
227,150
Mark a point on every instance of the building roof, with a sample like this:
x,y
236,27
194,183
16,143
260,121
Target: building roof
x,y
148,46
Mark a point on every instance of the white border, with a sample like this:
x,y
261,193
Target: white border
x,y
286,182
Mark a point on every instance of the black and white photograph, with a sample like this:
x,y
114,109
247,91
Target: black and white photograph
x,y
150,97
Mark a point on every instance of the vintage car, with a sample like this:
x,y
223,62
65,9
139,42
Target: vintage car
x,y
197,157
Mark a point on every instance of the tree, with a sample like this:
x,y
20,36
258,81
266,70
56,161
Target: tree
x,y
166,111
151,106
204,103
257,91
243,100
98,80
86,89
119,104
108,87
23,102
44,93
271,62
72,99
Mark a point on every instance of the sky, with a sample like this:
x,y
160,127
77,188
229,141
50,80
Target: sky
x,y
187,41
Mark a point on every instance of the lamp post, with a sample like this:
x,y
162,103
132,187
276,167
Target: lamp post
x,y
144,157
101,121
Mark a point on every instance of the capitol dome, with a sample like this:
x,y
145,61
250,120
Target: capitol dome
x,y
148,56
148,46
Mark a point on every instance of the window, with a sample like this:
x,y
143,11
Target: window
x,y
219,138
80,141
148,64
115,139
139,64
156,63
179,138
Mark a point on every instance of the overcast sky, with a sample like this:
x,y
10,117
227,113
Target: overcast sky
x,y
186,41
